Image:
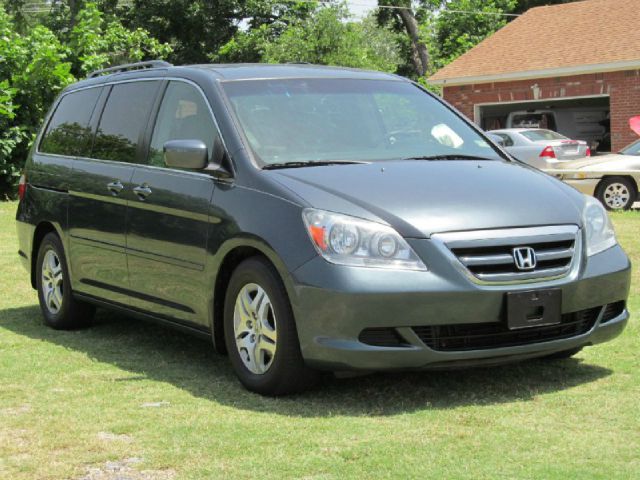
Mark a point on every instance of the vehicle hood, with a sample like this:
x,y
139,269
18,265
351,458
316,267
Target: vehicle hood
x,y
601,163
419,198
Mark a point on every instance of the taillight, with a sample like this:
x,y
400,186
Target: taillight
x,y
22,186
588,154
548,152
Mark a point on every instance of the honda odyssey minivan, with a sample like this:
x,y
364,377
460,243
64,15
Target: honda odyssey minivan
x,y
309,218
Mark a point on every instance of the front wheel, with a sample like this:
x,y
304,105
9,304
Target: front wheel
x,y
59,308
260,332
617,193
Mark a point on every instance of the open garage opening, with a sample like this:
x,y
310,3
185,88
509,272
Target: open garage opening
x,y
584,118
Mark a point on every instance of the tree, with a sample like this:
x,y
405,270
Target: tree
x,y
98,43
325,36
194,28
456,31
36,66
403,18
438,31
524,5
33,71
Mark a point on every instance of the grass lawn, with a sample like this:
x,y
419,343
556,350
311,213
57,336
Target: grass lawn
x,y
128,399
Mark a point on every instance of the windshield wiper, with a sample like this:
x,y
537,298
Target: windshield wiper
x,y
448,157
274,166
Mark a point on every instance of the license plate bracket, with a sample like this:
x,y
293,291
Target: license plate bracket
x,y
533,308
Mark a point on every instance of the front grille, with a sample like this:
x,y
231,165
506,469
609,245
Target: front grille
x,y
382,337
612,310
482,336
489,256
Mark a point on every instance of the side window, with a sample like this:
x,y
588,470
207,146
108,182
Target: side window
x,y
124,120
68,132
184,115
508,141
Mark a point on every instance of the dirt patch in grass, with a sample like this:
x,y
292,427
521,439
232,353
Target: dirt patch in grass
x,y
125,470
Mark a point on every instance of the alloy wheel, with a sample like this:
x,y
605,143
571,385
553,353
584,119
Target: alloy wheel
x,y
255,328
616,195
52,281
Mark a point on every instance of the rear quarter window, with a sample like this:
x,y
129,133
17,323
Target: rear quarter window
x,y
68,132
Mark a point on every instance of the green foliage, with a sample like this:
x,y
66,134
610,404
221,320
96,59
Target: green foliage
x,y
454,32
324,36
524,5
32,72
446,26
194,28
35,66
97,43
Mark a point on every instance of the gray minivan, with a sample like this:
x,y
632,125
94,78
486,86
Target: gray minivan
x,y
309,218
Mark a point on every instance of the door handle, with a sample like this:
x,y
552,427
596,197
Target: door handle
x,y
142,191
115,187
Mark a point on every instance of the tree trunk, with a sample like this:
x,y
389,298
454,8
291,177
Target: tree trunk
x,y
419,54
74,7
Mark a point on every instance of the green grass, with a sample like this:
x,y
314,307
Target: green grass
x,y
72,401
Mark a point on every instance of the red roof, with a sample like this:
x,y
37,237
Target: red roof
x,y
581,37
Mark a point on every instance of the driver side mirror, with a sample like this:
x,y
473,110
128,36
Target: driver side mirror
x,y
188,154
496,139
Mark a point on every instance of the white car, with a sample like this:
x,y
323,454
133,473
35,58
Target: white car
x,y
541,148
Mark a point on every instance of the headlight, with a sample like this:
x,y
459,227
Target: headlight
x,y
598,227
352,241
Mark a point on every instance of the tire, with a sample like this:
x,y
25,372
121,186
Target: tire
x,y
563,354
260,332
617,193
59,308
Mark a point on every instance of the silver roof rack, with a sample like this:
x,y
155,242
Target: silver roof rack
x,y
130,66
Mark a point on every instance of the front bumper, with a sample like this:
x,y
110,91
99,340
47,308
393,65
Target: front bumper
x,y
333,304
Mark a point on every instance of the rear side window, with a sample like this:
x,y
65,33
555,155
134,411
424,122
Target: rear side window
x,y
536,135
508,141
68,132
124,120
184,115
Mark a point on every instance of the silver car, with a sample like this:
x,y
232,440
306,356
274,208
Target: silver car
x,y
540,148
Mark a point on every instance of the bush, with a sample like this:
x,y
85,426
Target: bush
x,y
35,66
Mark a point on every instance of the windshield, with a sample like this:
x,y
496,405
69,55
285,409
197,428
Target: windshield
x,y
633,149
306,120
537,135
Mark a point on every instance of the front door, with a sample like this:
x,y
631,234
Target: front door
x,y
168,218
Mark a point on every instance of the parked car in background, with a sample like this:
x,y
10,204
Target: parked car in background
x,y
309,218
613,179
541,148
590,124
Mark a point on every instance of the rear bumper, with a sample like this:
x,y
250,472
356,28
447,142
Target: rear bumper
x,y
334,304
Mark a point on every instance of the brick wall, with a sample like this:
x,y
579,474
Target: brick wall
x,y
622,87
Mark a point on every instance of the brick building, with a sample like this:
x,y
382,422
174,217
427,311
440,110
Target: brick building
x,y
579,60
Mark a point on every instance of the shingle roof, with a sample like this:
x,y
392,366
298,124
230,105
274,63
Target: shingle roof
x,y
579,37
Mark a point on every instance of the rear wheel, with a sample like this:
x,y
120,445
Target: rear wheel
x,y
260,332
59,308
617,193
